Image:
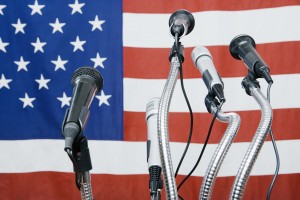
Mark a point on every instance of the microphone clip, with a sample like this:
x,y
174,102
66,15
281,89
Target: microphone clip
x,y
177,50
249,81
211,102
81,154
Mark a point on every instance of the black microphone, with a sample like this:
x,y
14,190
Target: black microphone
x,y
242,47
153,156
181,23
86,82
204,63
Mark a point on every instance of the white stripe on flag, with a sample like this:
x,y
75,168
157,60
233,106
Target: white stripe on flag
x,y
117,157
137,93
214,27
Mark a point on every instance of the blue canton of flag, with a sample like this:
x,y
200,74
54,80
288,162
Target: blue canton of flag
x,y
41,44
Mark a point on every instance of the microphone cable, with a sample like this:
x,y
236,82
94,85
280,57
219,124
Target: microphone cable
x,y
188,104
275,149
203,148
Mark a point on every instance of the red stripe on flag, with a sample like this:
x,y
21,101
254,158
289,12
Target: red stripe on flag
x,y
161,6
153,63
256,187
285,126
61,186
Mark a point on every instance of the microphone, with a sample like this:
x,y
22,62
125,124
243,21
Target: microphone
x,y
153,156
204,63
181,23
242,47
86,82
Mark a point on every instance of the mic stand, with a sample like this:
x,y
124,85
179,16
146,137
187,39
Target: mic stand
x,y
253,89
217,159
80,155
163,133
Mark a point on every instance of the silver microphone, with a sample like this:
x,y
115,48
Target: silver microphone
x,y
204,63
153,156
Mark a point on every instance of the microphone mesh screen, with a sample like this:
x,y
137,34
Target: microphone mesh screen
x,y
91,72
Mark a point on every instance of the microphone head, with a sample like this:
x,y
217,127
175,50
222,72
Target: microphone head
x,y
182,18
152,107
237,42
198,52
90,73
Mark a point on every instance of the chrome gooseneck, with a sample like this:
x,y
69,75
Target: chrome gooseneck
x,y
217,159
163,132
86,187
252,89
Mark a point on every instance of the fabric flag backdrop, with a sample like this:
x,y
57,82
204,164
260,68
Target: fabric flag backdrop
x,y
42,43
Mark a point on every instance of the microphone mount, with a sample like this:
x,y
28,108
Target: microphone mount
x,y
177,50
211,102
250,82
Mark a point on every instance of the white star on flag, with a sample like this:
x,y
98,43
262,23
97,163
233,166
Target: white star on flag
x,y
57,26
4,82
22,64
3,45
76,7
103,99
96,23
1,8
38,45
42,82
19,26
64,100
36,8
78,44
59,63
98,61
27,101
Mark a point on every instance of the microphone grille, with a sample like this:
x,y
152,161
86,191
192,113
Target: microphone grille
x,y
237,42
185,17
152,107
199,51
91,72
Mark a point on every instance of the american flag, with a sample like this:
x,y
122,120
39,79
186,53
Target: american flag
x,y
43,42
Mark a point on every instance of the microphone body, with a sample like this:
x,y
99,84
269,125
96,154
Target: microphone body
x,y
204,63
86,82
242,47
153,155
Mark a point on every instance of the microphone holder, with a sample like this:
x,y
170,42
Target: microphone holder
x,y
163,131
80,156
217,159
253,89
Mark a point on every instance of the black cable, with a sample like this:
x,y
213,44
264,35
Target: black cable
x,y
180,197
203,148
188,104
77,176
275,149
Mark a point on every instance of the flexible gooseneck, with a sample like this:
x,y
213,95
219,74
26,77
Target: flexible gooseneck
x,y
252,88
163,133
213,168
85,186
